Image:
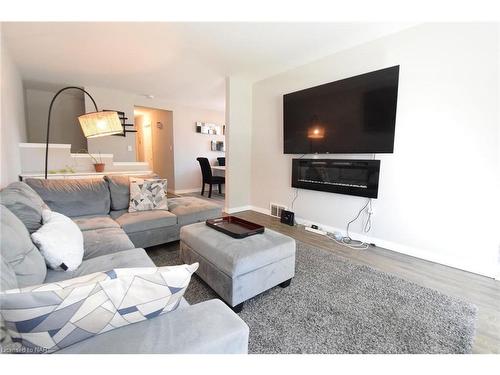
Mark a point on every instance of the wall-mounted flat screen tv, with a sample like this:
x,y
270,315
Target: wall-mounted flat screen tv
x,y
356,115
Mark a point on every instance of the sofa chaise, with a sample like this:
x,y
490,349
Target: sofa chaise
x,y
114,238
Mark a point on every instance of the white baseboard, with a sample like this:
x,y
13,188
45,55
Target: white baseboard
x,y
237,209
466,265
265,211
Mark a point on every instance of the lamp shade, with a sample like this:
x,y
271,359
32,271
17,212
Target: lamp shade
x,y
98,124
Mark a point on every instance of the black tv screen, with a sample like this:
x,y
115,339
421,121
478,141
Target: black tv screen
x,y
352,116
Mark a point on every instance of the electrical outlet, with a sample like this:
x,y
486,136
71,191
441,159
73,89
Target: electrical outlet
x,y
317,231
129,148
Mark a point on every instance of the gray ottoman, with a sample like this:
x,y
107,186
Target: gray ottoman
x,y
239,269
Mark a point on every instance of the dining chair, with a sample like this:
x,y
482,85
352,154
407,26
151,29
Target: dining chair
x,y
207,178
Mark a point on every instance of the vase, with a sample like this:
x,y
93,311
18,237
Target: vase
x,y
99,167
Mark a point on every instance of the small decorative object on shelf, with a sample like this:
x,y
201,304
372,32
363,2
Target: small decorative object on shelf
x,y
209,129
217,146
99,167
68,169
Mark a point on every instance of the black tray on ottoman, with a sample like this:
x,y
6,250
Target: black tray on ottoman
x,y
235,227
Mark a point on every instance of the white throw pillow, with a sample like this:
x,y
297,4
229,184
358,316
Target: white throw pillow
x,y
60,241
45,318
149,194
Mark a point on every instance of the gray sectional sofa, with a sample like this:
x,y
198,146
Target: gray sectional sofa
x,y
102,204
114,238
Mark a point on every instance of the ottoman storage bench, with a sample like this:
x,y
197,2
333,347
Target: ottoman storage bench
x,y
239,269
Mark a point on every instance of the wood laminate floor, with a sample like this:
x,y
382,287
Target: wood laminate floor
x,y
482,291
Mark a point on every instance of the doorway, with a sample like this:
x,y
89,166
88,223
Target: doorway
x,y
155,141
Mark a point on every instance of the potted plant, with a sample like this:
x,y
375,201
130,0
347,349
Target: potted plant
x,y
98,164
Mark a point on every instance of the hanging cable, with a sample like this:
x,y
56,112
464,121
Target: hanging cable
x,y
368,225
347,240
347,237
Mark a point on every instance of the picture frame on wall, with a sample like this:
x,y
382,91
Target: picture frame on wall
x,y
218,146
208,128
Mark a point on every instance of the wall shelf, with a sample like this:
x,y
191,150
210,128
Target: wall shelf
x,y
123,119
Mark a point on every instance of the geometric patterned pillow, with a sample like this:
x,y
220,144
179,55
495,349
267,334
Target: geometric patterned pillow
x,y
48,317
146,195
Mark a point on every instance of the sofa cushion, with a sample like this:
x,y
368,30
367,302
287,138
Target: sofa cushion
x,y
119,187
153,237
140,221
8,278
209,327
25,203
74,197
48,317
60,241
192,210
116,214
19,252
122,259
99,242
93,222
149,194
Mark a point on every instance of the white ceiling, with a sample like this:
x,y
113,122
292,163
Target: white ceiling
x,y
179,62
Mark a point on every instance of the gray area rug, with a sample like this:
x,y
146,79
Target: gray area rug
x,y
336,306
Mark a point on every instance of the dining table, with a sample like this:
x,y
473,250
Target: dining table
x,y
219,170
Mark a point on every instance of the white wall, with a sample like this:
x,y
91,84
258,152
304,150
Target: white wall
x,y
13,124
64,125
438,194
188,144
239,140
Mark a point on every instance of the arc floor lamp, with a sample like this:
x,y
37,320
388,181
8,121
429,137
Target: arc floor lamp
x,y
94,124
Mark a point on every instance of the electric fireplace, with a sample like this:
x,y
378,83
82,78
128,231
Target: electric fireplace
x,y
351,177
